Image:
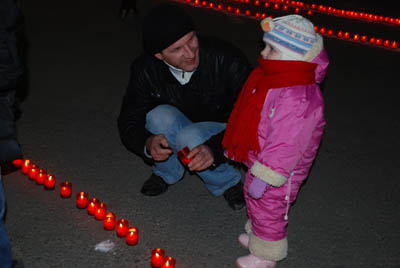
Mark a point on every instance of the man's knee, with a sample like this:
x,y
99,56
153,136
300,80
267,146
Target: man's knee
x,y
161,118
189,136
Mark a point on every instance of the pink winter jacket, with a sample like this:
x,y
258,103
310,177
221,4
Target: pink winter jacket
x,y
289,132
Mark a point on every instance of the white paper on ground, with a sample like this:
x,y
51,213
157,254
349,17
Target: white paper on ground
x,y
105,246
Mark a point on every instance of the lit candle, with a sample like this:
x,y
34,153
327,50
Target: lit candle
x,y
82,200
109,221
92,205
25,166
40,176
122,227
100,211
132,237
32,171
182,155
17,162
169,263
157,257
65,189
49,182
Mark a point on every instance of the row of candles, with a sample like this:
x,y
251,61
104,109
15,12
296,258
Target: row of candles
x,y
94,208
324,9
340,34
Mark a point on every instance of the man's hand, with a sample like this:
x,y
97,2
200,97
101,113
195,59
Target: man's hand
x,y
158,147
202,158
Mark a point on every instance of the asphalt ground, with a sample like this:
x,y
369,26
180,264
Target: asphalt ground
x,y
346,215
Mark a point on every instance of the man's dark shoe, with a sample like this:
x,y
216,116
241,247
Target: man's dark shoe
x,y
154,185
234,196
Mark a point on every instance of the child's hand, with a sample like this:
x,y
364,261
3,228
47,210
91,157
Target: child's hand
x,y
257,188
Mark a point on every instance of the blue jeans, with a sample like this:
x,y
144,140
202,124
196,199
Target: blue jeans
x,y
5,248
181,132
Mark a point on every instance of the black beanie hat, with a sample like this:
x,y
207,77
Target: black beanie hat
x,y
164,25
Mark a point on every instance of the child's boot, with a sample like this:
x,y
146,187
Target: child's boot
x,y
244,240
251,261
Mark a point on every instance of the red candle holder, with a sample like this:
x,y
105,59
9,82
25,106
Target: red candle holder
x,y
33,171
26,166
157,257
82,200
182,155
40,176
132,237
17,162
100,212
66,189
109,221
49,182
122,227
92,205
169,262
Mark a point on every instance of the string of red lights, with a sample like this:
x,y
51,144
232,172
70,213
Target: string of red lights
x,y
297,7
349,14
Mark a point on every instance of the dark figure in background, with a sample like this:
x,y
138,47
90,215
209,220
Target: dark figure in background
x,y
127,7
181,93
11,75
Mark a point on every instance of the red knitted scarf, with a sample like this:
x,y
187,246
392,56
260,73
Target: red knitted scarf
x,y
241,130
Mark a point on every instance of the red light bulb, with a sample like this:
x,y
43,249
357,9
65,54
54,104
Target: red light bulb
x,y
372,40
364,38
386,43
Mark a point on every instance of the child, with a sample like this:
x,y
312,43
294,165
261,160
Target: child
x,y
275,130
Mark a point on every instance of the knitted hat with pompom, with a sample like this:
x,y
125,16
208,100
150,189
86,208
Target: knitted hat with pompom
x,y
294,36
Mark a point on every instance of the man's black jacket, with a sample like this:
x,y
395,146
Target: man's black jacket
x,y
209,95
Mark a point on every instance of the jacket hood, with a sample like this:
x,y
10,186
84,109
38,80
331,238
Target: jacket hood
x,y
322,62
